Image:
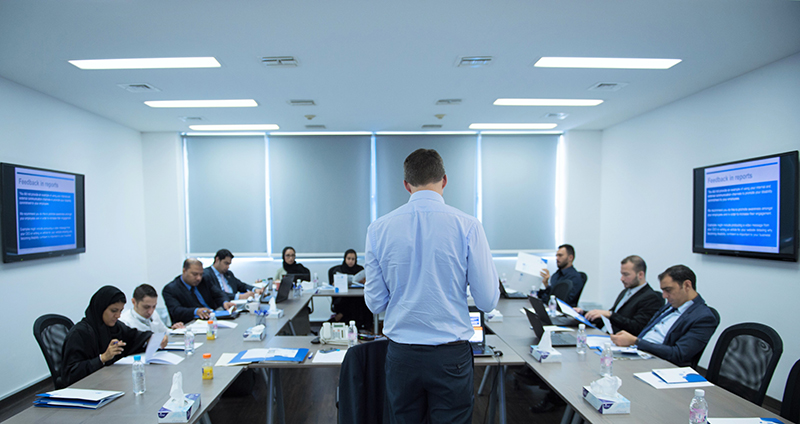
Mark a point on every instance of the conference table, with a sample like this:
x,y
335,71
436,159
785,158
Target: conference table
x,y
351,292
648,405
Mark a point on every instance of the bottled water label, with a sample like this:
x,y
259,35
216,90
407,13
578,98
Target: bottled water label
x,y
698,416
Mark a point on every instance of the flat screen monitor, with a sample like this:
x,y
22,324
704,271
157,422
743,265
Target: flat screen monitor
x,y
41,213
748,208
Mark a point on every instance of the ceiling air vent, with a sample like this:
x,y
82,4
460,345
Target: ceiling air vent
x,y
474,61
431,126
302,103
448,102
138,88
608,86
315,127
557,115
191,118
279,61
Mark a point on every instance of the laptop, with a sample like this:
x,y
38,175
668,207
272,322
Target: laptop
x,y
510,293
557,338
541,311
285,288
478,340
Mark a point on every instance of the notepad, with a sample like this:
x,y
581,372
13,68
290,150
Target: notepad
x,y
180,346
678,375
332,357
76,398
271,354
152,356
653,380
744,421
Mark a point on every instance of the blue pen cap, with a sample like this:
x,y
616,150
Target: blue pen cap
x,y
137,357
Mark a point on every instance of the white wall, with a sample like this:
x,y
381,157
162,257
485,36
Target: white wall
x,y
646,205
43,132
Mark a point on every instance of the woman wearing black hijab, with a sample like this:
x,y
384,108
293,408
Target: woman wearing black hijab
x,y
290,266
99,339
349,308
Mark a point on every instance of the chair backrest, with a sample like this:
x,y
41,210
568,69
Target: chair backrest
x,y
362,384
790,407
699,355
744,360
50,332
585,278
561,290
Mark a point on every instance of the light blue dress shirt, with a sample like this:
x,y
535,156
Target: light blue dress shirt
x,y
420,258
223,282
658,333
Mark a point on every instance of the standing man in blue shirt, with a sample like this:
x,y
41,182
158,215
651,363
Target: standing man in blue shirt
x,y
420,260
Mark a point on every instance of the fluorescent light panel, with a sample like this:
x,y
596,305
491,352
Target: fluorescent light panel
x,y
521,132
148,63
219,133
202,103
512,126
605,63
547,102
292,133
253,127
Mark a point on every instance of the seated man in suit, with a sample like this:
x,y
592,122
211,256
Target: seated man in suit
x,y
220,276
635,305
682,328
564,257
188,296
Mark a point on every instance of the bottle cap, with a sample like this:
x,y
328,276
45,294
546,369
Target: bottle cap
x,y
582,326
699,392
352,322
206,356
137,357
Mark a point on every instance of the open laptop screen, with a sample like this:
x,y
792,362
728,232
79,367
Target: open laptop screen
x,y
477,325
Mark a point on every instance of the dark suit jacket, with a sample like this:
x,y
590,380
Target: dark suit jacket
x,y
687,337
236,284
637,311
571,274
181,303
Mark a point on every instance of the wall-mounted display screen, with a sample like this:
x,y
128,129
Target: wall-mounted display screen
x,y
42,213
748,208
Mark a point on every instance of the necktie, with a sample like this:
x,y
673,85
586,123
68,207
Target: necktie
x,y
199,297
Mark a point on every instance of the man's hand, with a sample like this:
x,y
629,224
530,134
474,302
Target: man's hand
x,y
177,325
228,305
164,341
245,295
203,313
115,347
258,291
545,274
623,339
597,313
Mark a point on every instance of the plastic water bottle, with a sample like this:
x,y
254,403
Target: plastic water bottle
x,y
297,289
188,342
352,334
552,305
607,361
698,408
580,346
211,334
503,279
316,281
138,375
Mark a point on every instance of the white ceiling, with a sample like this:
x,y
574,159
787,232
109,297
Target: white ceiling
x,y
381,65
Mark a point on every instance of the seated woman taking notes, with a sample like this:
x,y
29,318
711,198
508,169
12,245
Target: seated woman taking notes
x,y
290,266
99,339
349,308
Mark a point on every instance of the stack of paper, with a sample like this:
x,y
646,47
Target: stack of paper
x,y
744,421
271,354
152,356
76,398
331,356
180,346
673,378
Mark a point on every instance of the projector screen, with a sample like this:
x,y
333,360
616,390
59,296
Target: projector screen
x,y
747,208
42,213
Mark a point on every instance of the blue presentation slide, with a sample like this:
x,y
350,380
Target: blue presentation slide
x,y
45,211
742,206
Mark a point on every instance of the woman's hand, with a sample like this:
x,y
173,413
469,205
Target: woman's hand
x,y
115,347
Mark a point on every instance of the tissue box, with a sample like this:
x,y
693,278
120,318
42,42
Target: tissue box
x,y
544,356
275,315
181,415
605,406
254,334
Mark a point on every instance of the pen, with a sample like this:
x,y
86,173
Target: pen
x,y
230,310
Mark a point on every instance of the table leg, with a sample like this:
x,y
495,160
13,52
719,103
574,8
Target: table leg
x,y
275,374
291,327
270,389
483,380
502,389
568,414
204,419
491,407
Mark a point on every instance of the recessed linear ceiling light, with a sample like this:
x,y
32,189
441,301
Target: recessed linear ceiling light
x,y
547,102
520,132
148,63
425,132
202,103
251,127
296,133
605,63
512,126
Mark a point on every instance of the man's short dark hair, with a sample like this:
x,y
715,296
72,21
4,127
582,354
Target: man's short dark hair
x,y
223,254
637,262
144,290
423,167
570,250
679,274
191,261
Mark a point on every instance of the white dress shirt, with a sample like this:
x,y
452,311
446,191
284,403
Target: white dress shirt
x,y
133,320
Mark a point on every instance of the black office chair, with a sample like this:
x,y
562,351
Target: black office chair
x,y
790,407
744,360
50,332
561,290
697,357
361,394
585,278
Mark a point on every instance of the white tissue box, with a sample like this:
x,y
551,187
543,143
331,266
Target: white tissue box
x,y
494,316
606,406
275,315
545,357
254,334
183,414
